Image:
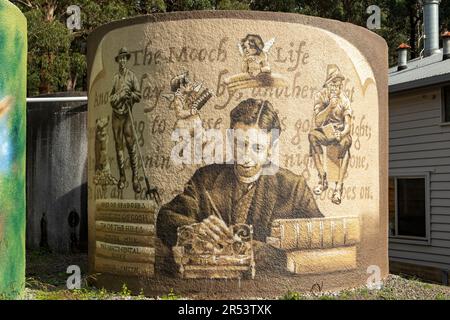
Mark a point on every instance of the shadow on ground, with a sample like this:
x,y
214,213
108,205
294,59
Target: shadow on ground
x,y
48,271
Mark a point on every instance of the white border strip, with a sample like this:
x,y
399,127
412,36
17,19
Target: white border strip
x,y
58,99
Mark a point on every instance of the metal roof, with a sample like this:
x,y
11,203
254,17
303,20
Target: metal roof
x,y
420,73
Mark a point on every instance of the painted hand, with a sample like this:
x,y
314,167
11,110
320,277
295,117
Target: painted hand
x,y
215,231
338,135
334,101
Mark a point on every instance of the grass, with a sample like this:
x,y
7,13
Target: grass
x,y
171,296
290,295
46,280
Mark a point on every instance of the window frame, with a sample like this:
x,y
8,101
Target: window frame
x,y
444,122
413,239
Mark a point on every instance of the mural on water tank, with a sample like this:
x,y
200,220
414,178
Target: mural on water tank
x,y
12,149
238,156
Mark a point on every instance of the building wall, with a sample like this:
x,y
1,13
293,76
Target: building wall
x,y
418,143
56,175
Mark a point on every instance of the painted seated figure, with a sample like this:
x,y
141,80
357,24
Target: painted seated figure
x,y
332,126
255,69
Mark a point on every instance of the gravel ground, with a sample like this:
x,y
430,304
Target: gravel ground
x,y
46,280
394,288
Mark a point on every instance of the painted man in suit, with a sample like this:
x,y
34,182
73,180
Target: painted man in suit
x,y
242,192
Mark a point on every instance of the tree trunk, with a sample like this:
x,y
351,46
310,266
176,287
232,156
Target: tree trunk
x,y
72,82
45,86
412,36
50,8
347,5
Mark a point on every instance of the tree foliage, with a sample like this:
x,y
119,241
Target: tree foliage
x,y
57,55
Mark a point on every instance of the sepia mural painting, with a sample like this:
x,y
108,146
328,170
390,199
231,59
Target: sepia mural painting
x,y
234,152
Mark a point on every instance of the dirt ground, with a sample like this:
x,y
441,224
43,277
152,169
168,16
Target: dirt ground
x,y
47,276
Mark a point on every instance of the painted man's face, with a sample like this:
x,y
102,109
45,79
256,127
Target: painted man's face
x,y
335,87
252,149
122,62
249,48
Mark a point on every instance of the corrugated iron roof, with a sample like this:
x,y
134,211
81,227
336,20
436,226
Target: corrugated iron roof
x,y
420,73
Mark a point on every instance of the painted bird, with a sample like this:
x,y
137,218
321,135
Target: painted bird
x,y
5,104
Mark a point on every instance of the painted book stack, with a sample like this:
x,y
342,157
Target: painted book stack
x,y
125,243
317,245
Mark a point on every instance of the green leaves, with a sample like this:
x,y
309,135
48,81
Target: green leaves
x,y
57,56
48,53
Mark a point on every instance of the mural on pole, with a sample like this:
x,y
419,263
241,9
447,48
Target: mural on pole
x,y
259,164
13,49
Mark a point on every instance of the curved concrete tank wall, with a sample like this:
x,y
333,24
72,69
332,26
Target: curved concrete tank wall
x,y
13,72
186,189
56,174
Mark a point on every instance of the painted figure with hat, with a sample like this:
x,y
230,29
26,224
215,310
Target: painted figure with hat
x,y
331,127
124,94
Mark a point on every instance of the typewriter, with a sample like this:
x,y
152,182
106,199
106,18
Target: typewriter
x,y
227,259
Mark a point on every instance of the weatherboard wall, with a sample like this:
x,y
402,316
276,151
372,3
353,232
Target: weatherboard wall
x,y
420,144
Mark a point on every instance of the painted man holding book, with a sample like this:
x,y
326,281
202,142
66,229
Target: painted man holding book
x,y
332,125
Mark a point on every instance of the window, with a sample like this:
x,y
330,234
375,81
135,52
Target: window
x,y
408,207
446,104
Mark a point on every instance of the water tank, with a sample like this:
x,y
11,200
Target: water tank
x,y
56,172
237,154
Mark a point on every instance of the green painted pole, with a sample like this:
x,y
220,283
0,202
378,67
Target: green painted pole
x,y
13,55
